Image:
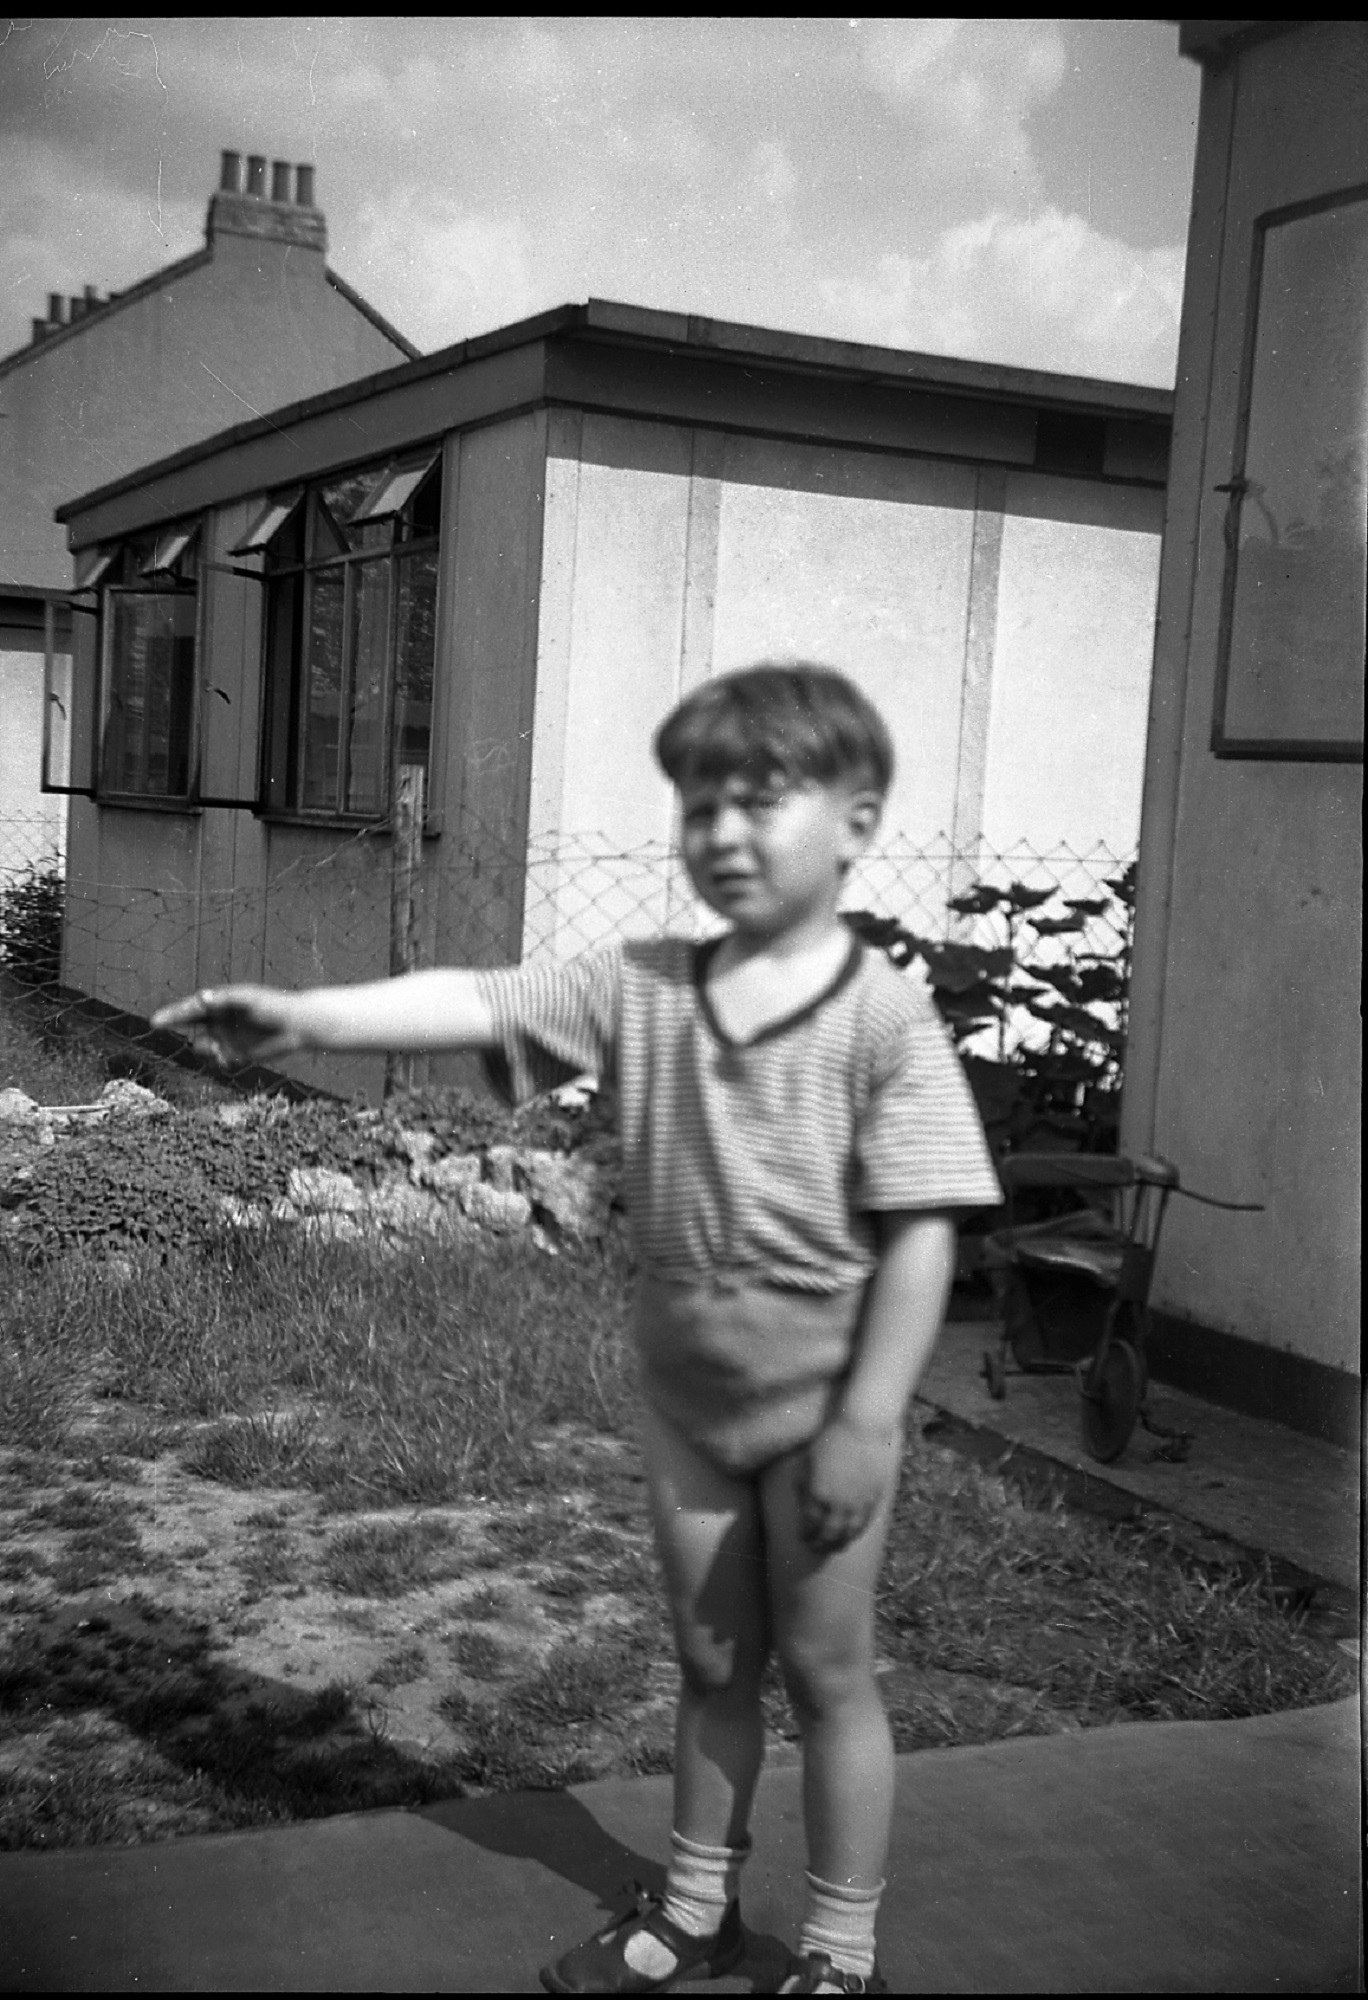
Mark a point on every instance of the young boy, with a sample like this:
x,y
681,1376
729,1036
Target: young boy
x,y
797,1134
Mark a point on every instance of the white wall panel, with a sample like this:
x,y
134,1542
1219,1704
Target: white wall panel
x,y
1071,667
861,561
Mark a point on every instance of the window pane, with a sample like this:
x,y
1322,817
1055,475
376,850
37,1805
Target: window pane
x,y
370,654
1297,619
395,492
339,500
416,632
151,694
322,692
284,612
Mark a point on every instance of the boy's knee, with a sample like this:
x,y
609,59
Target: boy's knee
x,y
819,1679
709,1668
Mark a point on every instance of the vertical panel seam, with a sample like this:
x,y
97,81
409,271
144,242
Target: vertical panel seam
x,y
980,645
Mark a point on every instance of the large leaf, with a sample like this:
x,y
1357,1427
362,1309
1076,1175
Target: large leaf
x,y
1102,981
1020,898
955,968
887,935
978,901
1062,977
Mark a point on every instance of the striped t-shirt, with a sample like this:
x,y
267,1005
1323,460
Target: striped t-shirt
x,y
769,1158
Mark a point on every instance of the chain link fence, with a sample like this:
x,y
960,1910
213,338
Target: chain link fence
x,y
331,913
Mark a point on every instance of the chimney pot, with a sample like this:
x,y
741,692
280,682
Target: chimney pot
x,y
304,186
230,172
256,174
78,308
92,297
280,180
40,330
56,309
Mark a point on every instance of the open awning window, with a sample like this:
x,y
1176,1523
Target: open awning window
x,y
94,565
398,486
169,549
277,514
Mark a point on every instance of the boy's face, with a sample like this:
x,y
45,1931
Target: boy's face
x,y
770,855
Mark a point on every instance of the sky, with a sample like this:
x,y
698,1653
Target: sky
x,y
1009,191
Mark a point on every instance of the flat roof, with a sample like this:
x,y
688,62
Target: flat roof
x,y
689,337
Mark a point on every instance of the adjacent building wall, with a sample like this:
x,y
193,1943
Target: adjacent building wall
x,y
1003,621
252,321
1245,1056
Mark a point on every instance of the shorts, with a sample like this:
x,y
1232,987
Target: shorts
x,y
744,1372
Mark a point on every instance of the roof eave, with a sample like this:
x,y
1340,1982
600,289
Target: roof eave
x,y
611,323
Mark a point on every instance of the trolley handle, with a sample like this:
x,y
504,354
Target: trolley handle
x,y
1213,1201
1162,1173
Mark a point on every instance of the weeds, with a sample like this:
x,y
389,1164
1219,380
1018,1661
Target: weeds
x,y
495,1378
398,1668
431,1375
270,1450
35,1397
479,1655
388,1558
1098,1622
592,1680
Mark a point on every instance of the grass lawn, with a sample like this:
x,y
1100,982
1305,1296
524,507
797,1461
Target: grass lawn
x,y
289,1527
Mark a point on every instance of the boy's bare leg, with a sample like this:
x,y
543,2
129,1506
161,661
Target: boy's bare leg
x,y
822,1609
711,1540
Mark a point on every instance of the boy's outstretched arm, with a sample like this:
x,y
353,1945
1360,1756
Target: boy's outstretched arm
x,y
440,1009
854,1460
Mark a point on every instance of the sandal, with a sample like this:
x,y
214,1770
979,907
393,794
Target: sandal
x,y
600,1964
815,1973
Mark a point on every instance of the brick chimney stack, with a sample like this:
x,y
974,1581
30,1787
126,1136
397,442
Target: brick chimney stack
x,y
242,207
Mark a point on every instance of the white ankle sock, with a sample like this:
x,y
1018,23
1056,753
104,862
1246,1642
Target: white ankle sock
x,y
840,1922
701,1883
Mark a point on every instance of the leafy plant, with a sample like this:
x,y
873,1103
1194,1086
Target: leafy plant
x,y
1065,1092
31,911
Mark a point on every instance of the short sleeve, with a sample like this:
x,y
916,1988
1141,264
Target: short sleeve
x,y
919,1139
553,1022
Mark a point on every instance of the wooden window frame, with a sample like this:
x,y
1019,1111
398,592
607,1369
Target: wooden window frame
x,y
285,661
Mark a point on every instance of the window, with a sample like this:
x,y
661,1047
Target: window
x,y
149,611
1292,643
351,612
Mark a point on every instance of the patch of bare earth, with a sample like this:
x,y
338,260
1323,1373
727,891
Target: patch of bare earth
x,y
435,1644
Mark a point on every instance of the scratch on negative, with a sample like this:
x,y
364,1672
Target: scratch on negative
x,y
249,406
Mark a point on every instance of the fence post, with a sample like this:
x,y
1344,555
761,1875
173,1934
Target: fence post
x,y
407,859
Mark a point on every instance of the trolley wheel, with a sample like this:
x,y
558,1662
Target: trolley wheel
x,y
994,1373
1130,1326
1112,1404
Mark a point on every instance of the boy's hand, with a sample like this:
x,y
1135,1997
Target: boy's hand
x,y
848,1470
236,1024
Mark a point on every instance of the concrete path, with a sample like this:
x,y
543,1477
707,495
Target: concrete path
x,y
1160,1858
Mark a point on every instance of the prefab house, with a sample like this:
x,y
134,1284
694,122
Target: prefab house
x,y
488,574
1245,1057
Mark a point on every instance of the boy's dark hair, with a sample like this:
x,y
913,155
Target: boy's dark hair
x,y
787,718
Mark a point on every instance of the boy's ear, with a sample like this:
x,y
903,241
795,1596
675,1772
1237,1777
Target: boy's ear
x,y
863,814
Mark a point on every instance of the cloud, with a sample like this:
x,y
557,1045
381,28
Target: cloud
x,y
60,230
442,271
1044,291
964,90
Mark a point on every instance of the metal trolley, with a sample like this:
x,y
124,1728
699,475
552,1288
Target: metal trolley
x,y
1074,1289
